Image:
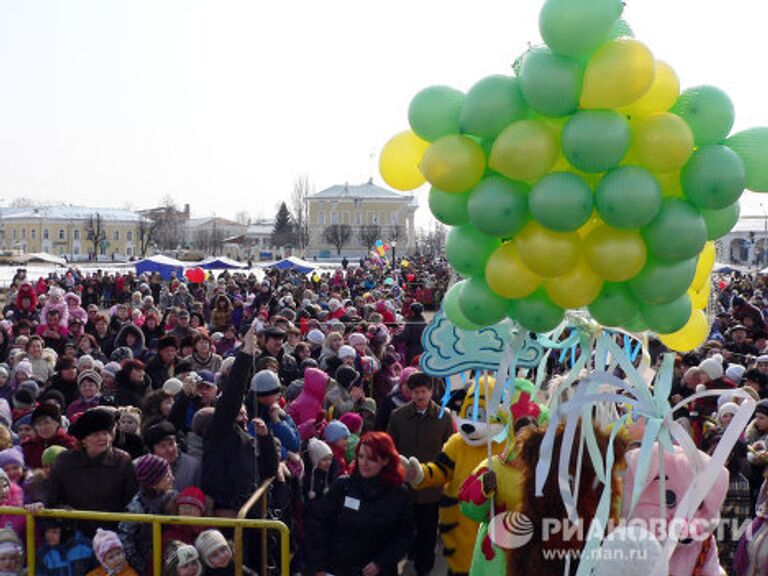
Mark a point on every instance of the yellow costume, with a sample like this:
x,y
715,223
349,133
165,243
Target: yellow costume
x,y
461,454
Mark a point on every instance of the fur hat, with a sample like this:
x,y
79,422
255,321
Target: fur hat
x,y
727,408
356,338
172,386
157,433
23,399
335,431
150,470
92,421
50,410
103,542
265,383
208,542
315,337
347,351
121,354
713,367
346,376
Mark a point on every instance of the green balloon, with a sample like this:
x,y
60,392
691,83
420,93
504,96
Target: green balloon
x,y
574,27
720,222
660,282
622,29
491,105
551,84
536,312
614,306
714,177
628,197
669,317
467,250
561,201
452,310
596,140
480,305
752,147
677,233
448,207
434,112
499,206
637,324
708,112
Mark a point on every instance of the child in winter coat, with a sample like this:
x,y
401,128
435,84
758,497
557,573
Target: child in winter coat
x,y
216,554
111,555
336,434
189,502
353,422
322,470
11,553
181,560
309,404
11,495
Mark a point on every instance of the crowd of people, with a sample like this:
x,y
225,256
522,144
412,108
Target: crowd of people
x,y
136,394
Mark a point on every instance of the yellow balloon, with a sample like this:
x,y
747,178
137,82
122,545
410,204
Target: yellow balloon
x,y
593,222
614,255
546,252
700,298
508,276
670,184
525,150
690,336
618,74
662,95
399,161
576,288
453,163
662,142
704,266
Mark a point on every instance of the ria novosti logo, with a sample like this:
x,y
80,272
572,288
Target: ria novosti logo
x,y
511,530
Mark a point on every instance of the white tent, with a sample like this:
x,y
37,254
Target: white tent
x,y
43,257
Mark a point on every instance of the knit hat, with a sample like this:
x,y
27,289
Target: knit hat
x,y
335,431
208,542
157,433
150,470
172,386
9,542
727,408
23,399
356,339
735,373
180,554
83,361
192,496
315,337
369,405
112,368
352,421
92,421
347,351
265,383
11,456
120,354
103,542
761,408
25,420
346,376
24,367
713,367
50,410
317,450
32,386
91,375
51,453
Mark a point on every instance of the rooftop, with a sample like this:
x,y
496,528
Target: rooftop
x,y
365,191
69,213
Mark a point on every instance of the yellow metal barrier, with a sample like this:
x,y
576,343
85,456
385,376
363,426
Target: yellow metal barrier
x,y
157,522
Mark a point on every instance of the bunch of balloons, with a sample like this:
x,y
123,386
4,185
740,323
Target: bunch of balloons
x,y
587,179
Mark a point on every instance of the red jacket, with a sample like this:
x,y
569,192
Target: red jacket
x,y
34,447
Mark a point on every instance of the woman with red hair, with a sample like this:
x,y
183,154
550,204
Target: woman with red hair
x,y
364,525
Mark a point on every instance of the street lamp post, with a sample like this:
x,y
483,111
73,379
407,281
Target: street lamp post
x,y
394,253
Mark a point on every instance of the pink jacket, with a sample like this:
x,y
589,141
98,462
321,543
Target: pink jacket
x,y
309,404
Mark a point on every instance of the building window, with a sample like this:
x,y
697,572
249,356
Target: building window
x,y
394,218
33,232
129,251
61,234
14,233
334,217
374,218
129,236
45,234
358,219
116,236
321,218
23,233
76,234
345,217
76,251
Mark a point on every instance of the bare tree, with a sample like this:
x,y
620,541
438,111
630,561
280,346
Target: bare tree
x,y
300,212
243,217
169,225
96,234
22,202
396,233
368,234
146,232
337,235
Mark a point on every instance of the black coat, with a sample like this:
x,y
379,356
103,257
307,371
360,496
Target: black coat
x,y
342,540
234,463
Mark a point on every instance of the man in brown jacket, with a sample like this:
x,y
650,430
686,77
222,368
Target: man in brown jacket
x,y
419,430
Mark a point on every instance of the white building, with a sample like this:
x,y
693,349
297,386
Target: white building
x,y
747,244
